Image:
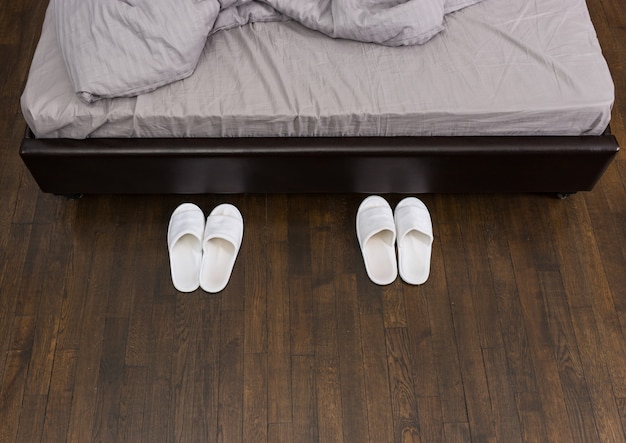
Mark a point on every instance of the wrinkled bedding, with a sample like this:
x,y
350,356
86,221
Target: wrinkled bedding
x,y
123,48
502,67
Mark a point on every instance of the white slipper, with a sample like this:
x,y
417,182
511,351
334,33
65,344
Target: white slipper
x,y
376,232
184,241
222,238
415,239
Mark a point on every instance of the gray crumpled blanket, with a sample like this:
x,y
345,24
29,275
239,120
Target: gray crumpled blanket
x,y
122,48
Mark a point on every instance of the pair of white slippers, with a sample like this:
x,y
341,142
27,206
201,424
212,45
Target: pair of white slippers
x,y
378,228
202,254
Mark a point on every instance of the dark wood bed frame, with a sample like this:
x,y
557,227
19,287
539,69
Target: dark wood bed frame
x,y
551,164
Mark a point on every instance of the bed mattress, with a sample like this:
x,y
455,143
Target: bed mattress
x,y
501,67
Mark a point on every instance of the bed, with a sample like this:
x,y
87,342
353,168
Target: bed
x,y
511,96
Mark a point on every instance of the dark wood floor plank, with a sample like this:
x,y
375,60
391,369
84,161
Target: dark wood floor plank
x,y
503,405
467,336
572,254
158,420
301,310
21,23
138,340
586,280
615,12
508,365
255,274
206,375
32,339
185,363
231,374
26,204
425,371
430,419
110,378
79,258
12,169
126,266
347,257
394,306
93,323
13,255
301,303
299,235
531,415
151,281
327,366
621,405
12,393
446,357
84,399
542,344
596,366
353,395
380,375
323,239
9,20
132,404
23,334
371,298
58,407
35,264
279,335
424,366
49,306
233,297
605,217
255,398
474,236
305,420
519,362
280,433
573,384
457,432
621,169
31,425
402,386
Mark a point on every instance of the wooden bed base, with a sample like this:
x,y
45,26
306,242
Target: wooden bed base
x,y
559,164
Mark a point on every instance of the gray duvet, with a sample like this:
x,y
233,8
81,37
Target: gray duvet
x,y
122,48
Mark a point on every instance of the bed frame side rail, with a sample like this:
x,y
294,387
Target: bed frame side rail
x,y
560,164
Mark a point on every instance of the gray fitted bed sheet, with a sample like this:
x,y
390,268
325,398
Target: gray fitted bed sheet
x,y
501,67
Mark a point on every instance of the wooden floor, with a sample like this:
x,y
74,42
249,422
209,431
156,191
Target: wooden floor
x,y
518,335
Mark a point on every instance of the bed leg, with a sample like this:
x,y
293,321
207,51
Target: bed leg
x,y
564,195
